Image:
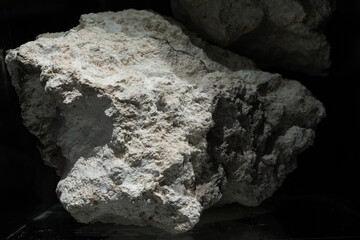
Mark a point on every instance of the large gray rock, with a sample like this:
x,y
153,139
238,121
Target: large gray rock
x,y
144,128
275,33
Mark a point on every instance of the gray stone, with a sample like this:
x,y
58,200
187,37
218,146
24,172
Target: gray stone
x,y
276,33
144,128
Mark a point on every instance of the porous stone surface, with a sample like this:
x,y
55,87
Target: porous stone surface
x,y
276,33
144,128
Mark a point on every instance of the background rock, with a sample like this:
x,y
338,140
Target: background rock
x,y
284,34
146,129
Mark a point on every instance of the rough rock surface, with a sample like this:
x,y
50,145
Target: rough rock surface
x,y
275,33
146,129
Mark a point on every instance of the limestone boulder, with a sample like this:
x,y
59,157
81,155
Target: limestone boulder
x,y
146,129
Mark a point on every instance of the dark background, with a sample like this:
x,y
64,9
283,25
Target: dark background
x,y
329,169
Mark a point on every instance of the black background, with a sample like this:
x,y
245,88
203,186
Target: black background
x,y
329,169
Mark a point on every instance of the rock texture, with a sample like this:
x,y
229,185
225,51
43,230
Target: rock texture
x,y
146,129
276,33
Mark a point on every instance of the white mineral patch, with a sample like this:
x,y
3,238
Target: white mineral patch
x,y
144,128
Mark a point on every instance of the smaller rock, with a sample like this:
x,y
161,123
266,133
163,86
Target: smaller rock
x,y
275,33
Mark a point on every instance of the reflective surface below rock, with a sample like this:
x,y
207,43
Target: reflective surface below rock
x,y
291,218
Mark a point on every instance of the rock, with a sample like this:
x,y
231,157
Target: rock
x,y
144,128
276,33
